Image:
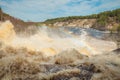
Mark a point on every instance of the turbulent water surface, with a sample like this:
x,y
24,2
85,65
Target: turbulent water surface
x,y
53,46
51,41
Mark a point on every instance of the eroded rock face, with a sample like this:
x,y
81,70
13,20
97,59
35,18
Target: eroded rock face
x,y
83,23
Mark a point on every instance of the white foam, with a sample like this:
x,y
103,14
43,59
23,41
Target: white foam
x,y
42,41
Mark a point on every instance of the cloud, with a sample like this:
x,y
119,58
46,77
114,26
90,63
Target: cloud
x,y
40,10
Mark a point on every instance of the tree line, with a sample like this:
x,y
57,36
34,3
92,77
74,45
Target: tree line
x,y
102,18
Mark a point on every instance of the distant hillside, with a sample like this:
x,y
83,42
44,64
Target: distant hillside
x,y
20,25
108,20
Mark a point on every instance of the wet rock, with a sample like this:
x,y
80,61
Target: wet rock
x,y
117,51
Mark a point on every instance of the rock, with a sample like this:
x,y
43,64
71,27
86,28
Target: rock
x,y
117,51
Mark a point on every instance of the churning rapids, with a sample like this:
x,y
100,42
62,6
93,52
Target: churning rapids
x,y
52,41
57,54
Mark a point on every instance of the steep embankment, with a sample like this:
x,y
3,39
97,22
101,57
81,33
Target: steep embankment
x,y
108,20
19,25
83,23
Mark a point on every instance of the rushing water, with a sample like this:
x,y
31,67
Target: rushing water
x,y
52,41
91,32
65,46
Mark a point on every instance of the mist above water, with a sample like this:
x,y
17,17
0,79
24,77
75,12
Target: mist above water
x,y
52,41
50,53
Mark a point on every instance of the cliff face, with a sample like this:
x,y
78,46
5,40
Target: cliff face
x,y
108,20
85,23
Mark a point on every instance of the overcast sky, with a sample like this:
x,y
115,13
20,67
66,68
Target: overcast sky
x,y
40,10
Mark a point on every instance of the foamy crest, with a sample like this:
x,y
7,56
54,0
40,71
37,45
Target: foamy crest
x,y
52,41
